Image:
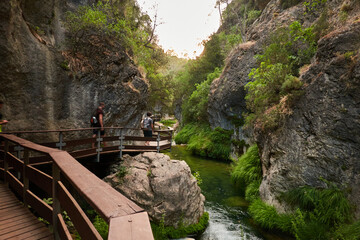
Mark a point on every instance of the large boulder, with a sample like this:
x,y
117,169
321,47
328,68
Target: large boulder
x,y
165,188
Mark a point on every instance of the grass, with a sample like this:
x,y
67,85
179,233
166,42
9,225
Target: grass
x,y
204,141
162,232
317,213
247,168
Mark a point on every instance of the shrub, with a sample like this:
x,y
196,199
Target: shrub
x,y
252,15
101,226
205,142
313,6
275,84
195,108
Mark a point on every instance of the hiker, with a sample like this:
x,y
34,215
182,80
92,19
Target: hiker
x,y
147,125
2,122
99,122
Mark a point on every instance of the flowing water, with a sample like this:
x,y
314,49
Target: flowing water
x,y
227,210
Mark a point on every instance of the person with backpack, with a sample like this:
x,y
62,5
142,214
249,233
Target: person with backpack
x,y
97,120
147,125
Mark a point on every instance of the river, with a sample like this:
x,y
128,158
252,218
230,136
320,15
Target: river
x,y
229,219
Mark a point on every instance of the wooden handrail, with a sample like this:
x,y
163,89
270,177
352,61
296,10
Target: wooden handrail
x,y
76,130
108,202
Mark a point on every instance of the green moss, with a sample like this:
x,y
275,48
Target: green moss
x,y
162,232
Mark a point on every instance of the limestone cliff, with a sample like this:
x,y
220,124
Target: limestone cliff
x,y
39,90
321,136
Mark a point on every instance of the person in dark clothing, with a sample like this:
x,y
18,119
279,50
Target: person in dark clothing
x,y
148,126
2,122
99,114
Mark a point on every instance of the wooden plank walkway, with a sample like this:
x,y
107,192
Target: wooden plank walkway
x,y
16,221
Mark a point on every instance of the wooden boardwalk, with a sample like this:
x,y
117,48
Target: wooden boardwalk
x,y
16,221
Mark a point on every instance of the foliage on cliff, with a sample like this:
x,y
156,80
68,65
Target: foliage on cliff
x,y
276,84
317,213
199,73
97,31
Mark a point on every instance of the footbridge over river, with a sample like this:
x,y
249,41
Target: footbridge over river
x,y
33,172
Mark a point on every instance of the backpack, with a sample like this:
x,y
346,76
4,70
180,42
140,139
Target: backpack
x,y
93,121
147,123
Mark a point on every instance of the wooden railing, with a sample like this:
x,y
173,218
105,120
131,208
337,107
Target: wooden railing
x,y
119,141
18,168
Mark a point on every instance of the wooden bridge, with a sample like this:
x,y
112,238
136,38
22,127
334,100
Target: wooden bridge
x,y
38,171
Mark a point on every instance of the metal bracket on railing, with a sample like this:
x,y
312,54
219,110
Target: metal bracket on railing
x,y
121,147
171,133
18,149
99,149
158,142
60,144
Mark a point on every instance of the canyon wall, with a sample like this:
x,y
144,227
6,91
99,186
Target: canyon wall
x,y
39,90
320,139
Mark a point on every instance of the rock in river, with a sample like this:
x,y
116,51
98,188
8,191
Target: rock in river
x,y
163,187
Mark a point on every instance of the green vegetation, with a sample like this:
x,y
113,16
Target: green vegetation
x,y
195,108
247,172
198,178
267,216
168,122
101,226
318,213
289,3
99,30
313,6
162,232
276,85
122,171
205,142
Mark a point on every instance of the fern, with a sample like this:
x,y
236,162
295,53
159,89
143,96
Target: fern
x,y
248,167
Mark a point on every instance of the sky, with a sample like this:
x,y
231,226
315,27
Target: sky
x,y
185,24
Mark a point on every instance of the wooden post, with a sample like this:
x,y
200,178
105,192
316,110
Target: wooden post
x,y
25,178
99,149
158,142
121,147
56,202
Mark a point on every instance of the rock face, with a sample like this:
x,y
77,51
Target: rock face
x,y
163,187
322,136
37,87
225,92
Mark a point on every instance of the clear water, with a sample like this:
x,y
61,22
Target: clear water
x,y
227,210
